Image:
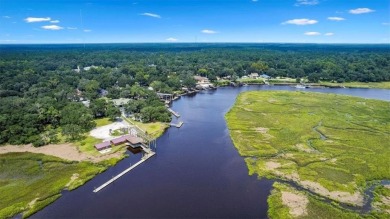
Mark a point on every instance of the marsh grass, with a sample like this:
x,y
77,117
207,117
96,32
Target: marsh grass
x,y
381,201
355,148
316,208
380,85
25,177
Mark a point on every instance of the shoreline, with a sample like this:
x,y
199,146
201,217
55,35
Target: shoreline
x,y
66,151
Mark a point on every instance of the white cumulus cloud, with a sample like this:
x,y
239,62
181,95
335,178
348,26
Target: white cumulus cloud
x,y
302,21
306,2
336,18
52,27
54,21
37,19
209,31
329,34
312,33
171,39
361,11
151,15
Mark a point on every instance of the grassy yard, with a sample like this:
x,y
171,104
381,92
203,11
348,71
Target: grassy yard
x,y
380,85
283,80
330,144
251,80
29,182
102,122
154,129
87,145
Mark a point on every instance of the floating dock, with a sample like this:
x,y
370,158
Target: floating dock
x,y
177,125
173,112
149,154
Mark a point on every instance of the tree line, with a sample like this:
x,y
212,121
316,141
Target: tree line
x,y
41,90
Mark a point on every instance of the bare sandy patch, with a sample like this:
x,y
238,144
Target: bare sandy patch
x,y
288,176
264,131
247,109
288,155
385,200
379,205
345,197
64,151
74,177
272,100
271,165
304,148
103,132
297,203
32,203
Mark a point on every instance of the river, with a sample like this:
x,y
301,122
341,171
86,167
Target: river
x,y
197,172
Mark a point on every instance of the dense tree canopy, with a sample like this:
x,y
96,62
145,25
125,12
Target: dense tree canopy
x,y
41,86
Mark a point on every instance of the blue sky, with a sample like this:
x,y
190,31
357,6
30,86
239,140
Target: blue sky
x,y
128,21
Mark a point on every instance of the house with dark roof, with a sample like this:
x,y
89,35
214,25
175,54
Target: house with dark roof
x,y
118,141
265,76
103,145
130,140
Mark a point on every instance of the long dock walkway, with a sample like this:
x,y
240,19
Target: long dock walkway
x,y
173,112
148,155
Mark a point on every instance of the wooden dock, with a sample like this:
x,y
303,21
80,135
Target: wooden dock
x,y
149,154
177,125
173,112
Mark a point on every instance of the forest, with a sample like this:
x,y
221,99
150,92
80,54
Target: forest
x,y
42,86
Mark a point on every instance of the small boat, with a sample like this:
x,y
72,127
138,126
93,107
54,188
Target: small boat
x,y
300,86
245,85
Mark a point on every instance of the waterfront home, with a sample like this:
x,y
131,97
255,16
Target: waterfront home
x,y
103,145
120,140
254,75
89,68
201,80
265,76
120,102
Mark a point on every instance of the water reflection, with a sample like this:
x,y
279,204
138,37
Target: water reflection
x,y
197,172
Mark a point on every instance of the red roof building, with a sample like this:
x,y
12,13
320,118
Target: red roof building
x,y
118,141
103,145
134,140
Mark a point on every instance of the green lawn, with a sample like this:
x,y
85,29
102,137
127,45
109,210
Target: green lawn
x,y
279,134
29,182
154,129
102,122
251,80
87,145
